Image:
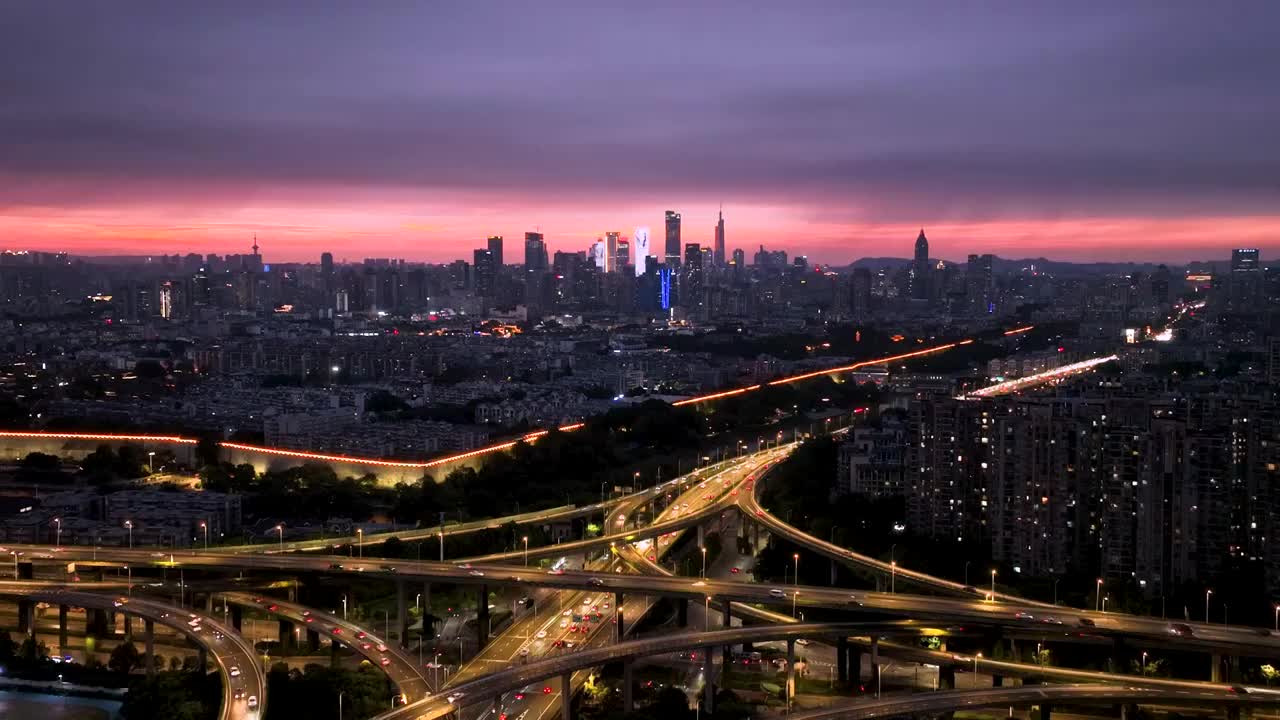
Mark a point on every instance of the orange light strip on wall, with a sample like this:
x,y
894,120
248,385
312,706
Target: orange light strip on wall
x,y
715,396
1019,331
98,436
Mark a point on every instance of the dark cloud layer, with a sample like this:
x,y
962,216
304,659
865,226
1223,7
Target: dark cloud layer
x,y
987,108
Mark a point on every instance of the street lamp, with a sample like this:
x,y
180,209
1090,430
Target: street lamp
x,y
128,524
1277,618
704,561
440,534
344,606
1207,593
526,550
58,522
796,558
150,468
976,658
966,571
706,615
205,527
1105,598
1144,663
1097,598
360,541
280,530
794,595
340,694
993,585
893,577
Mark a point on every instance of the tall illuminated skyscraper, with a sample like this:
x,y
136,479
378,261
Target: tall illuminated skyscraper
x,y
673,238
640,245
920,270
535,252
611,251
719,246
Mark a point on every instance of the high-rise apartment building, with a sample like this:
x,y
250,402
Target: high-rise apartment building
x,y
980,285
673,238
691,287
484,272
640,246
611,251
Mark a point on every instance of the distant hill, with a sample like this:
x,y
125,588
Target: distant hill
x,y
1002,265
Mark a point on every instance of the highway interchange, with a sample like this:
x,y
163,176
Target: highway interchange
x,y
527,657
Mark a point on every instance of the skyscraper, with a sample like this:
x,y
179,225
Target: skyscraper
x,y
611,251
920,270
691,288
979,285
484,271
719,247
535,252
623,256
740,258
640,244
673,238
495,249
1245,282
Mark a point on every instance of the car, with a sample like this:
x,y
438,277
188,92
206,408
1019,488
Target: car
x,y
564,623
1086,622
361,635
519,695
546,689
1024,616
120,601
273,607
336,566
568,644
777,592
597,582
734,571
336,630
306,613
567,613
541,634
387,568
573,628
308,620
253,702
855,600
238,695
464,566
604,606
802,642
476,573
385,661
455,697
382,648
524,652
1180,630
1051,620
557,643
366,646
760,513
555,571
234,671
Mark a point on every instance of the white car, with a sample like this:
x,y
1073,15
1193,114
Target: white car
x,y
564,623
777,592
235,671
541,634
253,702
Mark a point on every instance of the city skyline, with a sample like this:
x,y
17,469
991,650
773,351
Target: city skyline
x,y
1111,134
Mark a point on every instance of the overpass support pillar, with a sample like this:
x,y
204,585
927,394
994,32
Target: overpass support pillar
x,y
566,696
26,571
482,617
62,629
26,616
313,640
701,537
202,659
682,612
149,653
1046,711
1215,668
428,631
833,573
285,633
128,625
708,676
617,612
842,660
628,691
402,612
333,652
1233,668
208,603
726,621
237,617
875,664
946,677
791,672
997,681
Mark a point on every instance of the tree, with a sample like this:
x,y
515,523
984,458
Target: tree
x,y
8,648
1269,673
125,658
33,651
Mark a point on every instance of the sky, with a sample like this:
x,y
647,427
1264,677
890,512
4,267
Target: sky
x,y
1076,131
